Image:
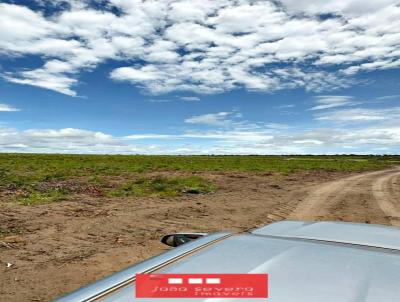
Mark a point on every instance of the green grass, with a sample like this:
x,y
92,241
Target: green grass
x,y
30,173
36,197
164,187
20,168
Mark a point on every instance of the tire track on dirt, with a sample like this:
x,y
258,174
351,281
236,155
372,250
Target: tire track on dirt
x,y
387,197
354,197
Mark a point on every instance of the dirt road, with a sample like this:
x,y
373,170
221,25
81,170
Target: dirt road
x,y
370,194
51,249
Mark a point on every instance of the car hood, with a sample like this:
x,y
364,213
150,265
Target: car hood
x,y
299,270
353,233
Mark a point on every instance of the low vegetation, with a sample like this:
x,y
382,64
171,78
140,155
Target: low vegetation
x,y
41,178
37,197
164,187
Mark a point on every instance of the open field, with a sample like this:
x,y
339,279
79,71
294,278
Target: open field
x,y
66,220
39,178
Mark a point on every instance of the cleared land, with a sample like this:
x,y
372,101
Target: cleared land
x,y
66,220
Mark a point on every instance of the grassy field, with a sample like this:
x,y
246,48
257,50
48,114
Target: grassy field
x,y
41,178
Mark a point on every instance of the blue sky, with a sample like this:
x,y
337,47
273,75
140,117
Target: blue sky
x,y
200,77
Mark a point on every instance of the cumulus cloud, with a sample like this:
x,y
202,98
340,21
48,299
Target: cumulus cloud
x,y
372,131
68,140
347,8
44,78
203,46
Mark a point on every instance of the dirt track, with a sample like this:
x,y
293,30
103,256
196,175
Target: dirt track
x,y
375,191
56,248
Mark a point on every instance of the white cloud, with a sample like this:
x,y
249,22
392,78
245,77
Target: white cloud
x,y
213,119
348,7
374,131
66,140
308,142
389,97
183,98
190,98
332,101
45,78
378,133
137,75
204,46
376,139
286,106
160,100
361,115
150,136
7,108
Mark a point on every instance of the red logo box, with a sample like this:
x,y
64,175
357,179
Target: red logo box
x,y
202,286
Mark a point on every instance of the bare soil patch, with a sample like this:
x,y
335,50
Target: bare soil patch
x,y
50,249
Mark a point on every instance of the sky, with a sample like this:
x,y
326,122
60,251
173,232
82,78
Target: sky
x,y
200,76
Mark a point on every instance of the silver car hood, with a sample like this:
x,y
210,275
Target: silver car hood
x,y
345,232
299,270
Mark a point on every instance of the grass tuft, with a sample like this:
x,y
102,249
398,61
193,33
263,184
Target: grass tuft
x,y
36,197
